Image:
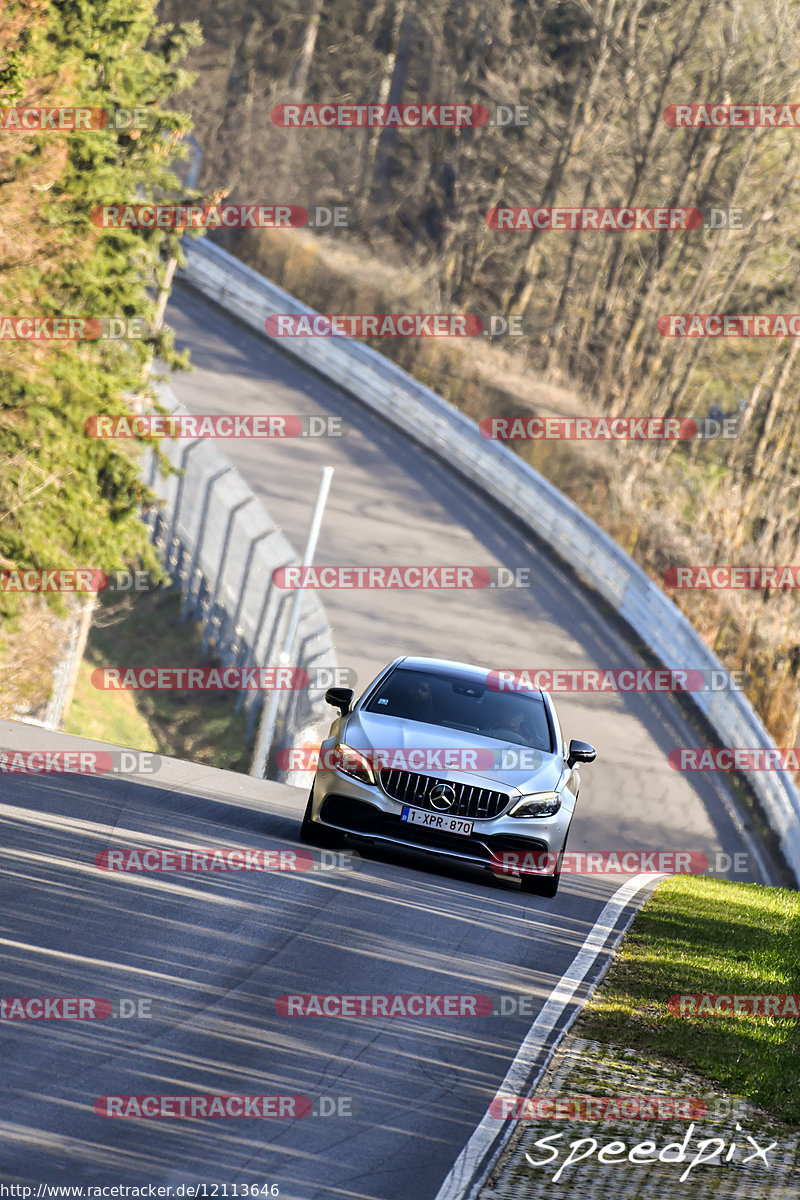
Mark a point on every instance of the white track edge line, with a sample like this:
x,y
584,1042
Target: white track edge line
x,y
461,1175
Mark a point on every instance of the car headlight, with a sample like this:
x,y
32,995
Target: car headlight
x,y
351,762
541,804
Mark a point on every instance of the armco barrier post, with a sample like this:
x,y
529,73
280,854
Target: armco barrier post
x,y
270,713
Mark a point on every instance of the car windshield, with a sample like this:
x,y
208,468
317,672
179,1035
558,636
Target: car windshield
x,y
454,702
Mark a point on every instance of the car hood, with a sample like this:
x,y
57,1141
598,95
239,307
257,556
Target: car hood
x,y
541,772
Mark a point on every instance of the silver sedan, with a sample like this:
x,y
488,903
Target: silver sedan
x,y
452,760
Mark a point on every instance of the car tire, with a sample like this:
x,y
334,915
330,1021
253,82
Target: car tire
x,y
313,834
543,885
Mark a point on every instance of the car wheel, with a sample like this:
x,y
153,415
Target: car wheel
x,y
312,834
543,885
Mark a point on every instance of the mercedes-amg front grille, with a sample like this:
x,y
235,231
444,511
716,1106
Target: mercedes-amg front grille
x,y
410,788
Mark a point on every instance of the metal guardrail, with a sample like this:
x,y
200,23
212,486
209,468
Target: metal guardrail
x,y
221,547
425,417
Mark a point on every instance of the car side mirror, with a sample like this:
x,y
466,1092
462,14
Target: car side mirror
x,y
578,751
340,698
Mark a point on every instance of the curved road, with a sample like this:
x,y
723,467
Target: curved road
x,y
211,954
391,502
216,951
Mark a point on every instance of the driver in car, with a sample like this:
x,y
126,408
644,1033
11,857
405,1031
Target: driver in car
x,y
420,699
517,722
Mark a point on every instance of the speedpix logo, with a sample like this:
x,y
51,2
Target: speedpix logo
x,y
709,1150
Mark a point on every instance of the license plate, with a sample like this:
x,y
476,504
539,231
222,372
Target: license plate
x,y
417,816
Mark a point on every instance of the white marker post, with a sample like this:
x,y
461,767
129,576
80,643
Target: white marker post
x,y
269,715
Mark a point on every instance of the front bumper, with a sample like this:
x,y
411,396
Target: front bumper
x,y
367,812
